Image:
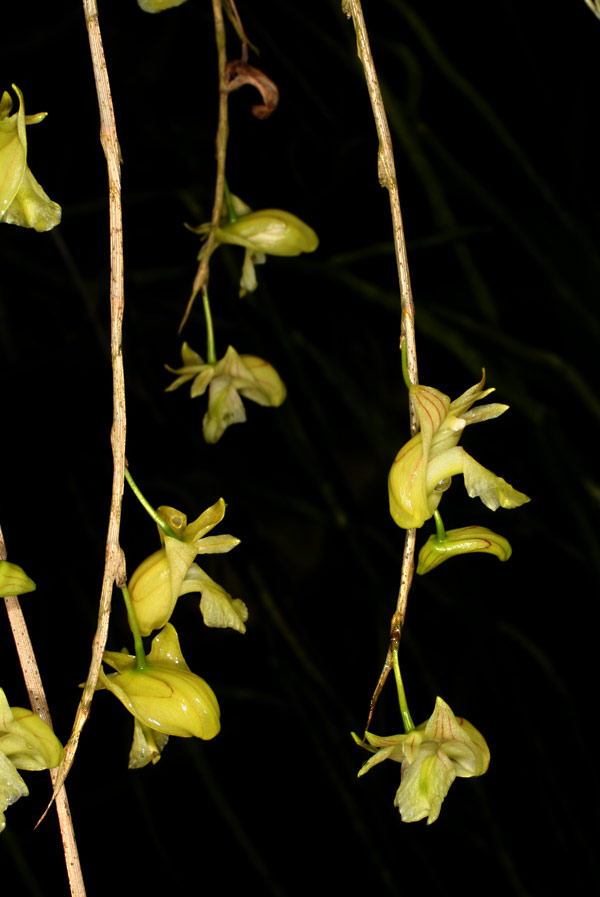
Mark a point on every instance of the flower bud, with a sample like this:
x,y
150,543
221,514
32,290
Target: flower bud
x,y
14,580
271,231
466,540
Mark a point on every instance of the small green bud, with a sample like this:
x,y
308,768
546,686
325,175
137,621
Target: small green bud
x,y
271,231
14,580
466,540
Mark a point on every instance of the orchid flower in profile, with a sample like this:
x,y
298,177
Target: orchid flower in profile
x,y
170,572
26,742
165,697
432,756
230,378
22,199
425,465
261,233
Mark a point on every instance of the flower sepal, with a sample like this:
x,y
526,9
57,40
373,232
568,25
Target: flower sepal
x,y
466,540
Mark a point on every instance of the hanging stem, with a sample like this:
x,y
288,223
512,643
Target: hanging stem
x,y
140,655
201,279
114,569
387,178
406,717
211,354
39,705
148,507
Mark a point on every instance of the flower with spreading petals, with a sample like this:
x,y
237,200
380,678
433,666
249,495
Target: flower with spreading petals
x,y
26,742
230,378
164,696
22,199
170,572
424,467
432,756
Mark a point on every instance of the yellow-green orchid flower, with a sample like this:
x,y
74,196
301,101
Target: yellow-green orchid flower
x,y
466,540
167,574
261,233
26,742
164,696
227,380
432,756
423,468
22,199
14,580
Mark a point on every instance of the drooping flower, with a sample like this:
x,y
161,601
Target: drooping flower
x,y
14,580
261,233
22,199
466,540
423,468
227,380
26,742
164,696
432,756
169,573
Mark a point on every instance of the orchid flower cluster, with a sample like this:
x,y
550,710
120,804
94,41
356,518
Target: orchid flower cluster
x,y
161,692
228,379
26,741
444,747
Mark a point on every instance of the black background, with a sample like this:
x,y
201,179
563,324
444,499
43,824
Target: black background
x,y
493,110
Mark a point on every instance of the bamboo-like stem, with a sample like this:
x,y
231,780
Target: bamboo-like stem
x,y
39,705
201,279
388,179
114,568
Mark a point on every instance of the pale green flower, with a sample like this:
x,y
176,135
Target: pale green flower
x,y
423,468
230,378
432,756
22,199
169,573
165,695
26,742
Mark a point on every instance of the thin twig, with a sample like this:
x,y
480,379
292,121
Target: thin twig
x,y
388,179
39,705
201,279
114,569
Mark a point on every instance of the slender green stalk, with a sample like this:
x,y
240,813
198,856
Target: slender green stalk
x,y
140,655
211,354
148,507
406,717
